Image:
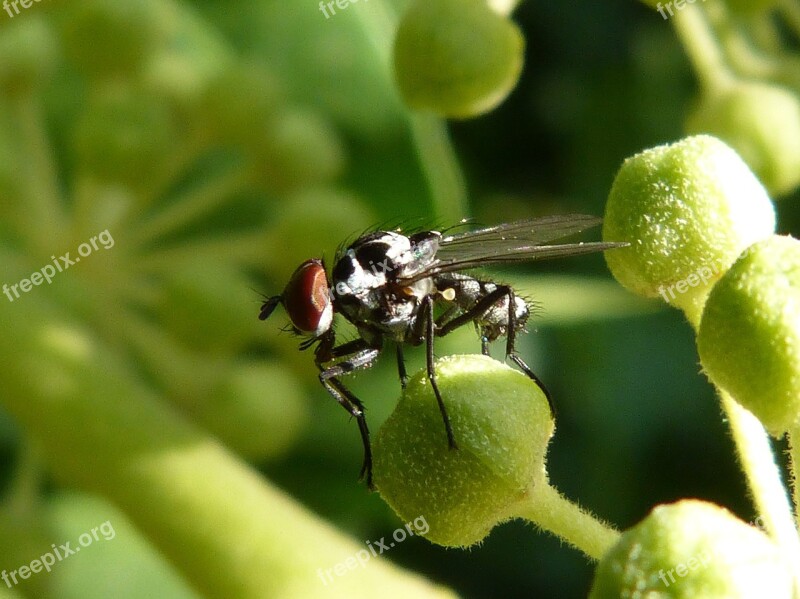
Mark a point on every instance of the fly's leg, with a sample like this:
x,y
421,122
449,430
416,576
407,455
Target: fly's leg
x,y
477,311
430,333
526,369
401,366
353,355
511,337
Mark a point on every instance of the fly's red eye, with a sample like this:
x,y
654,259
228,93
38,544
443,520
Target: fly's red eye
x,y
307,298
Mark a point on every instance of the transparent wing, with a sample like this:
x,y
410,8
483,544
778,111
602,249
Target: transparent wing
x,y
519,241
532,231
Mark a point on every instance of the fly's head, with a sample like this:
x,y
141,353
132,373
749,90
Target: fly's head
x,y
306,299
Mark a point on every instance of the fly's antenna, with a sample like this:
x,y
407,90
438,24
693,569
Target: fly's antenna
x,y
269,306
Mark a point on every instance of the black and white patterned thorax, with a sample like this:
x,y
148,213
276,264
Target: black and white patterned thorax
x,y
368,281
379,282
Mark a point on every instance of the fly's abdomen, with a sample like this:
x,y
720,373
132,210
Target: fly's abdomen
x,y
493,322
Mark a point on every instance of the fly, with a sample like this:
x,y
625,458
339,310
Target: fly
x,y
410,289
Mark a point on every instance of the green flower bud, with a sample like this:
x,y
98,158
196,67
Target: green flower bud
x,y
762,123
502,425
28,54
259,410
297,148
749,340
123,36
125,138
688,210
692,549
456,58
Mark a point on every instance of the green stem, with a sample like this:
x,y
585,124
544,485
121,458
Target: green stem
x,y
545,507
702,48
758,464
440,165
756,54
763,476
435,151
100,427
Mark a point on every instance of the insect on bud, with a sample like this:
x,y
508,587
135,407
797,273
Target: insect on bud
x,y
502,423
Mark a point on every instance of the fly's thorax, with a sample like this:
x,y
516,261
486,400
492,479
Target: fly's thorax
x,y
424,246
367,279
366,266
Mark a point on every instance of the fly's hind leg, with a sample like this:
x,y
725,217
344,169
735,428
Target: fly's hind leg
x,y
478,311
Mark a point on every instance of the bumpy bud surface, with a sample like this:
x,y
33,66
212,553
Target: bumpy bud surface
x,y
693,549
688,210
749,340
502,424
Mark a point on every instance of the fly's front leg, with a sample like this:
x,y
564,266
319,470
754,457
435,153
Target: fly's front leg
x,y
353,355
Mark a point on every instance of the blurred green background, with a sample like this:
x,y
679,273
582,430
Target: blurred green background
x,y
223,143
